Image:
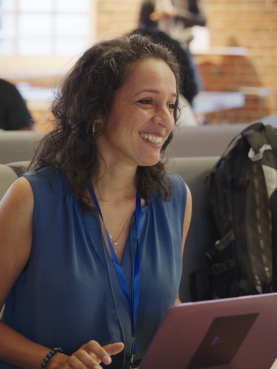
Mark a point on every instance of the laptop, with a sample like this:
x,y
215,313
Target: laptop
x,y
235,333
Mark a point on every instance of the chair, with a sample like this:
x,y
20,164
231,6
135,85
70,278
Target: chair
x,y
18,145
202,233
7,177
207,140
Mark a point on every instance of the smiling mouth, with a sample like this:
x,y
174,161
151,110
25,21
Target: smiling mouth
x,y
151,138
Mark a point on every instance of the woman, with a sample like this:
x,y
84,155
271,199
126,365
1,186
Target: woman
x,y
96,283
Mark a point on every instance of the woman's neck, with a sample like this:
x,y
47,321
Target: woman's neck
x,y
115,183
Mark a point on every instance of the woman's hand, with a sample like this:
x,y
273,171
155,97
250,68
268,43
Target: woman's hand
x,y
89,356
163,9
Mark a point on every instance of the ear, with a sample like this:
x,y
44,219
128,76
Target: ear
x,y
100,120
98,125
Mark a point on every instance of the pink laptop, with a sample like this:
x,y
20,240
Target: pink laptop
x,y
237,333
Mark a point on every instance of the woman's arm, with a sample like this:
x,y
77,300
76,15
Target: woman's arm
x,y
187,220
16,229
16,222
20,351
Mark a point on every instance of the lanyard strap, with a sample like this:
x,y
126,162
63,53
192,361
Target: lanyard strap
x,y
133,304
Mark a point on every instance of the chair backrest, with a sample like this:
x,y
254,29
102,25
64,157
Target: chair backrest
x,y
7,177
9,173
18,145
207,140
202,233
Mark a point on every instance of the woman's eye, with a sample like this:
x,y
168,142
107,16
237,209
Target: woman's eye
x,y
172,106
145,101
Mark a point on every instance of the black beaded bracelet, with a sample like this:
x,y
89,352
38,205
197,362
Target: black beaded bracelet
x,y
48,356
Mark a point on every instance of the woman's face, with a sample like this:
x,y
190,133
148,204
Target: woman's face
x,y
142,115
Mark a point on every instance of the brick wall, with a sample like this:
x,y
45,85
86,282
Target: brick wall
x,y
251,24
246,23
116,17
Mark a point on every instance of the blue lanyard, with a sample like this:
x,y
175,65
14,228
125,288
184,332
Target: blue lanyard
x,y
133,304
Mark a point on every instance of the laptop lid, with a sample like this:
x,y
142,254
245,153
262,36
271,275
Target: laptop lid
x,y
235,333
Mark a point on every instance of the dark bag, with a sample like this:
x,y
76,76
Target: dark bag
x,y
244,202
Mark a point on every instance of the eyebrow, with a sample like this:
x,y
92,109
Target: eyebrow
x,y
152,91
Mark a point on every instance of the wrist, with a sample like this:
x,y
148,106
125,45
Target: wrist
x,y
57,361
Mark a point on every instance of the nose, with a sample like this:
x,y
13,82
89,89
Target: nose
x,y
163,116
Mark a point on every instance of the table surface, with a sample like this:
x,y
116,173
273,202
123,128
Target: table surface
x,y
211,101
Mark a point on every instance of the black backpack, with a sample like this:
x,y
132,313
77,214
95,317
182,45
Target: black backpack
x,y
244,203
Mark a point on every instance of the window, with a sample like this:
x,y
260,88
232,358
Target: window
x,y
44,28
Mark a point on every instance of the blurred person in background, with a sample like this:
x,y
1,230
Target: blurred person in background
x,y
159,33
165,24
176,18
184,14
14,114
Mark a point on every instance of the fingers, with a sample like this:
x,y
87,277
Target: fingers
x,y
93,348
114,348
100,354
157,15
90,355
82,360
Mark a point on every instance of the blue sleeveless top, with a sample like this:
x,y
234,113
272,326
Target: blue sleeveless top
x,y
69,292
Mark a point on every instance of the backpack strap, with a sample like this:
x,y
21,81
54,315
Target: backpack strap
x,y
219,268
271,135
255,126
218,247
255,139
246,288
273,207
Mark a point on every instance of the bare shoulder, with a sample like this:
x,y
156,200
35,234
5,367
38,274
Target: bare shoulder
x,y
16,213
16,230
20,192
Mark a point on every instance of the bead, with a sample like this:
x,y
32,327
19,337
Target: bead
x,y
48,356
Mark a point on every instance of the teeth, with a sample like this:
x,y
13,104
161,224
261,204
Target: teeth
x,y
153,139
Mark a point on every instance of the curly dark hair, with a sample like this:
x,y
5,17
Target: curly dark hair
x,y
86,94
